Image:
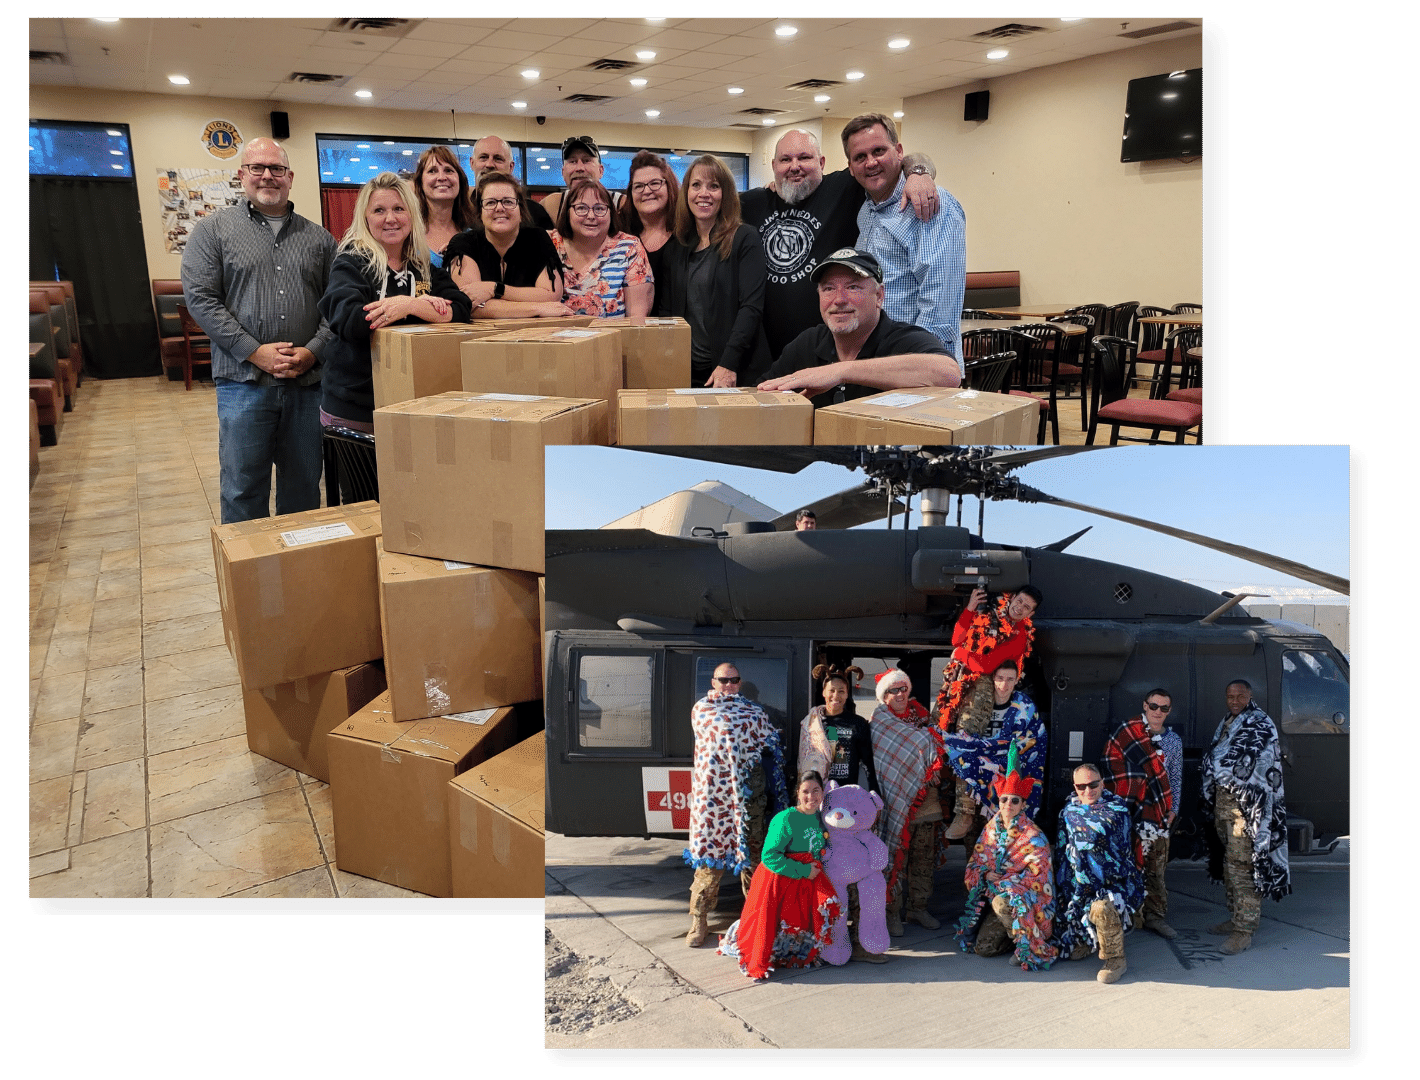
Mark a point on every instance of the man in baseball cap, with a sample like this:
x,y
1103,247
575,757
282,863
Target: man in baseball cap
x,y
858,350
581,159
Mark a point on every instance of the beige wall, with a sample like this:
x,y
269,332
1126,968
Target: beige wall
x,y
166,130
1046,194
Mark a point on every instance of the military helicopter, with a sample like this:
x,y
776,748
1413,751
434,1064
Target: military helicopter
x,y
637,621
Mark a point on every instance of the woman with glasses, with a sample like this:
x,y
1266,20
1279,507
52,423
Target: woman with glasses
x,y
445,208
506,266
714,279
380,277
607,273
1010,896
648,206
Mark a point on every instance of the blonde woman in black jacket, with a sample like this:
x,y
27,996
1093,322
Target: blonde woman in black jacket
x,y
714,279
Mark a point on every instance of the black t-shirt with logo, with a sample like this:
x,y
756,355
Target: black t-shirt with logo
x,y
795,239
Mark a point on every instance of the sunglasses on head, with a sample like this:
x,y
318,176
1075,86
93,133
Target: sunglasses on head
x,y
1090,786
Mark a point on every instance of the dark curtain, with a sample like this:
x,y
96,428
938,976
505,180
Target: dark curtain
x,y
89,232
337,209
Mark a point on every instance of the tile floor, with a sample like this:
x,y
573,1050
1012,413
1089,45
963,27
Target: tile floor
x,y
141,783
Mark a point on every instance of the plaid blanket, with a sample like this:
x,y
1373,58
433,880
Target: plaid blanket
x,y
1246,758
908,756
1094,861
1135,769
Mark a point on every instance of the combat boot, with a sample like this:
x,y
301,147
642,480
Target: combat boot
x,y
1223,928
922,917
960,826
1236,943
1158,926
860,953
1081,950
894,924
1113,970
699,928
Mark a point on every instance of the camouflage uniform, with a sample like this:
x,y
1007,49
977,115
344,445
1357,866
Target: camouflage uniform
x,y
705,886
992,939
1244,901
973,717
921,864
1109,929
1156,864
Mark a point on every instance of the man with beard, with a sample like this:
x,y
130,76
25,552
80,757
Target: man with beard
x,y
1242,793
806,216
857,350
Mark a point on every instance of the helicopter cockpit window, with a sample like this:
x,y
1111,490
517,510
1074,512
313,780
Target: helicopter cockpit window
x,y
1316,695
614,701
764,680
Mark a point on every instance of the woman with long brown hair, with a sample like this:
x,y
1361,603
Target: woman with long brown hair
x,y
714,279
441,186
648,205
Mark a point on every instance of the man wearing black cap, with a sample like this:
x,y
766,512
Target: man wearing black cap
x,y
580,160
858,350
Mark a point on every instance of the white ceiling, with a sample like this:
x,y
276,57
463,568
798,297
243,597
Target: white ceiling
x,y
474,65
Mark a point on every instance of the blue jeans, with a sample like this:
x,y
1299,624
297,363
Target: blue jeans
x,y
261,426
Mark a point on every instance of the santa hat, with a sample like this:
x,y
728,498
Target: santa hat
x,y
890,678
1011,782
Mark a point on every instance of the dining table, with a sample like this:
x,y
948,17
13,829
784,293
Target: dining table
x,y
1031,311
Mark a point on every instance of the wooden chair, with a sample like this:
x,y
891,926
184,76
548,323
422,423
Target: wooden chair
x,y
1111,404
197,346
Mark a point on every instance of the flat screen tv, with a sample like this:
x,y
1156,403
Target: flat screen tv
x,y
1163,117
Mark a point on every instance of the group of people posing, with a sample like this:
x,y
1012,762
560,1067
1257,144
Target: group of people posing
x,y
836,285
971,771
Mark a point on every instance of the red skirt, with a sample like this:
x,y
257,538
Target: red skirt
x,y
786,921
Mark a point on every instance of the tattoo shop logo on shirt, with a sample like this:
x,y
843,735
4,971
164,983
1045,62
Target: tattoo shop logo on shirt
x,y
788,243
222,139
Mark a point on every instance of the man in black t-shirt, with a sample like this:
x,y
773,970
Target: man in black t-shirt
x,y
857,351
804,218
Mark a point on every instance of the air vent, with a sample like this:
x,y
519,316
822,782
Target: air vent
x,y
1167,28
814,84
741,123
1008,32
1123,593
587,99
41,56
757,111
376,27
610,65
317,77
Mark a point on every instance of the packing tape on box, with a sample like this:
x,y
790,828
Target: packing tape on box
x,y
495,685
401,449
500,441
268,587
436,688
502,536
445,440
413,534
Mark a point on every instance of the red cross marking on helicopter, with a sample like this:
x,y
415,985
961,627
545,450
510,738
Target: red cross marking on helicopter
x,y
676,800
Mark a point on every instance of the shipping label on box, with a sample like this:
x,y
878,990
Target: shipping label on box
x,y
457,639
497,824
461,474
655,353
300,592
929,416
730,416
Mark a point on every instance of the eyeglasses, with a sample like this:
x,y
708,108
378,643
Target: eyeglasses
x,y
278,171
1011,800
506,204
1090,786
1157,708
596,210
649,185
733,679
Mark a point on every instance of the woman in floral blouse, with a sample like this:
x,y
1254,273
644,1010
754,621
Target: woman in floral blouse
x,y
608,274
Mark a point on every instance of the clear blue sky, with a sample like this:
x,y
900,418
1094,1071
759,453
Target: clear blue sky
x,y
1292,501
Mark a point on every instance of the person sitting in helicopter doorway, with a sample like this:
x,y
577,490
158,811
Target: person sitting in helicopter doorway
x,y
728,791
805,519
986,635
1144,762
1097,882
978,760
1242,793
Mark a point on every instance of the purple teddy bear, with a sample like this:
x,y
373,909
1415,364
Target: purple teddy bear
x,y
855,855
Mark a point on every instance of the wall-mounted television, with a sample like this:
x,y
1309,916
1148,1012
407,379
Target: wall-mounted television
x,y
1163,117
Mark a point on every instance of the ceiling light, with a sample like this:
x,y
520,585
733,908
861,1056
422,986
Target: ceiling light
x,y
768,121
655,20
822,98
899,43
115,134
179,80
363,94
853,76
374,166
105,20
897,115
998,54
520,104
638,82
362,146
347,178
530,73
645,54
786,31
408,153
389,142
541,159
737,89
119,153
355,159
116,165
547,166
328,174
653,113
1072,20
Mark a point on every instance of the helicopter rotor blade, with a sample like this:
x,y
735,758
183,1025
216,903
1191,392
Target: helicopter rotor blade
x,y
1261,558
786,459
842,510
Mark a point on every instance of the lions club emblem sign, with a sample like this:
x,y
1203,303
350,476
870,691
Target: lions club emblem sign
x,y
222,139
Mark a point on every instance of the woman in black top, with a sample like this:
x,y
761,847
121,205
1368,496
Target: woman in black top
x,y
380,277
834,740
714,279
507,267
648,206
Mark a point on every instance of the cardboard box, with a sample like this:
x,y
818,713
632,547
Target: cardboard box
x,y
461,473
497,823
655,355
300,593
288,723
419,360
389,790
695,416
457,637
575,362
929,416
